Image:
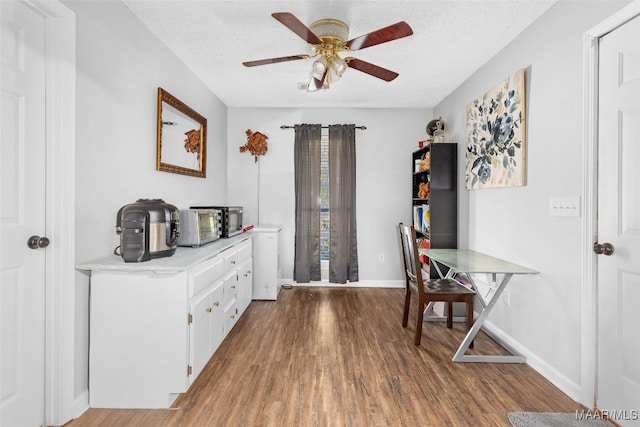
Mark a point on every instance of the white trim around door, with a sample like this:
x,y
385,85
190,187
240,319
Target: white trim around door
x,y
60,206
589,189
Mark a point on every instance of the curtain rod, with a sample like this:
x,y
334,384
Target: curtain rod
x,y
323,127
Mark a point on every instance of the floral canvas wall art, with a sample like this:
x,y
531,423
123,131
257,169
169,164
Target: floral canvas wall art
x,y
496,136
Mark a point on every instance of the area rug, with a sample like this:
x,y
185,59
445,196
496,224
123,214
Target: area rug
x,y
554,419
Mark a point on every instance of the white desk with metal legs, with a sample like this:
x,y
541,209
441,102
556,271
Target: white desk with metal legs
x,y
472,262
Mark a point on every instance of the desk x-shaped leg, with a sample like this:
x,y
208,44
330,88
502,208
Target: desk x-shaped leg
x,y
487,306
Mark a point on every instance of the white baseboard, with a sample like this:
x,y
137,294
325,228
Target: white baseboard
x,y
81,404
566,385
360,284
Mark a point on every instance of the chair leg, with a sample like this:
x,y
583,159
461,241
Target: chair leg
x,y
419,321
449,315
407,303
470,317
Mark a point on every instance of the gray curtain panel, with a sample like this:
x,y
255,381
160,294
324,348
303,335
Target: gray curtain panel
x,y
343,247
307,187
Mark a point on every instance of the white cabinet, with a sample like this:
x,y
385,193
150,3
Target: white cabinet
x,y
236,282
216,321
230,316
245,276
139,339
206,327
230,283
152,331
245,285
200,332
266,263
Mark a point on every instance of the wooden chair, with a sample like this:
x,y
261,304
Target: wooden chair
x,y
436,290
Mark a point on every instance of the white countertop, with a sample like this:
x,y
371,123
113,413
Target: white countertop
x,y
183,259
266,228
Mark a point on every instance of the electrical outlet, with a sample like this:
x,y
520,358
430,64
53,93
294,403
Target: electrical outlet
x,y
507,298
381,257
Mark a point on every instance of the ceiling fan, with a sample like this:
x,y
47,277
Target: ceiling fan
x,y
327,38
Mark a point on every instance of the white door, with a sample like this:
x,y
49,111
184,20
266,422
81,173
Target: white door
x,y
618,389
22,204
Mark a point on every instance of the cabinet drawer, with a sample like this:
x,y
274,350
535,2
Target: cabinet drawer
x,y
205,275
230,287
230,260
244,251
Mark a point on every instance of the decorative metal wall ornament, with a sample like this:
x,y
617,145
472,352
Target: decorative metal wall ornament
x,y
496,136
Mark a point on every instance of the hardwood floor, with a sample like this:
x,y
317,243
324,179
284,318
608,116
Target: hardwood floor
x,y
340,357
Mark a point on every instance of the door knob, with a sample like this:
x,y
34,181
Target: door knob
x,y
603,249
35,242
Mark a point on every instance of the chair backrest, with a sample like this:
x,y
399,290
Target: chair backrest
x,y
412,266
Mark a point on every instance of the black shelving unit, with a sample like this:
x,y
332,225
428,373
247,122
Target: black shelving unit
x,y
442,202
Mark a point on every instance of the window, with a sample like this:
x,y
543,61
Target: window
x,y
324,195
331,239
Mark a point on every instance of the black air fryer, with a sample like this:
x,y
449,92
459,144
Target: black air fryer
x,y
148,228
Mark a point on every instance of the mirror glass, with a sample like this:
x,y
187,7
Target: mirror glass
x,y
182,137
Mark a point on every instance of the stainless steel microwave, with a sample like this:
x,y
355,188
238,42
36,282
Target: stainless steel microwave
x,y
231,218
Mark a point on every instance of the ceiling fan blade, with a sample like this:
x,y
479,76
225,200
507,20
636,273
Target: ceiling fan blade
x,y
371,69
274,60
383,35
294,24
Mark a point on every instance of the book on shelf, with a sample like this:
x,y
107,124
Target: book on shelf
x,y
422,218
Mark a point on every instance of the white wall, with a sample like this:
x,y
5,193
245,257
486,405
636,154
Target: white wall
x,y
543,319
119,67
383,177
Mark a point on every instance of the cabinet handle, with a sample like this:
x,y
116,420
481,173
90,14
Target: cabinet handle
x,y
233,316
217,303
233,261
233,286
208,310
246,274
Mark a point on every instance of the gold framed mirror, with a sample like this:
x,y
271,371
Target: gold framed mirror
x,y
181,145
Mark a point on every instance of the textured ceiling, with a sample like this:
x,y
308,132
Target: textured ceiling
x,y
451,40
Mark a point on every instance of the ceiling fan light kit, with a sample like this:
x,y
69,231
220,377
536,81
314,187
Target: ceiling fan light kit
x,y
330,28
320,66
327,38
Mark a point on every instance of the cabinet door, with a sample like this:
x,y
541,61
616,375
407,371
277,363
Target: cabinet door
x,y
245,285
200,311
216,323
230,316
230,283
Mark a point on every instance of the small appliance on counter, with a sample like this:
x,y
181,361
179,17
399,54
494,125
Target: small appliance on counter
x,y
148,228
231,218
199,226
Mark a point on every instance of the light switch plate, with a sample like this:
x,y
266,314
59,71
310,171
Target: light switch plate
x,y
564,206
